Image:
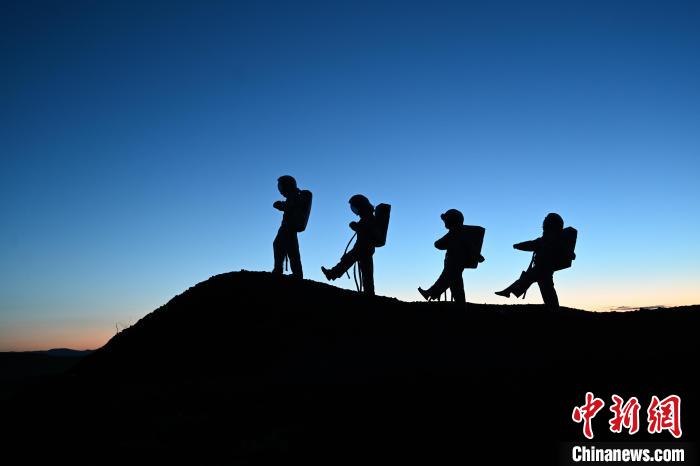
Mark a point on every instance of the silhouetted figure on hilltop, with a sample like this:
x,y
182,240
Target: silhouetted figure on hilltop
x,y
462,244
371,232
296,208
553,251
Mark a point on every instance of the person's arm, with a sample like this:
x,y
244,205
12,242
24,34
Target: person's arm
x,y
528,245
443,243
280,205
360,227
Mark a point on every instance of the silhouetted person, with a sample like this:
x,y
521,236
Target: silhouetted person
x,y
296,208
552,251
461,250
363,250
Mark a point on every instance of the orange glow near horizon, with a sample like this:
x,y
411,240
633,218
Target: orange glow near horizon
x,y
606,295
24,339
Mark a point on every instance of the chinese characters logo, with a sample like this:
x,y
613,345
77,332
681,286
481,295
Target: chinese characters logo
x,y
662,415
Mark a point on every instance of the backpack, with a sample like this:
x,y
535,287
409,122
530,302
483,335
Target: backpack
x,y
473,240
302,211
381,224
564,254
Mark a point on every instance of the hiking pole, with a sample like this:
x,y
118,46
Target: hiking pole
x,y
354,276
346,251
357,272
529,267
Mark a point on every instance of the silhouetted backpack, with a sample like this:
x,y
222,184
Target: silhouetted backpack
x,y
565,254
381,223
302,211
473,239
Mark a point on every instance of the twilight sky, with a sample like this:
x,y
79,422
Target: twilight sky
x,y
140,143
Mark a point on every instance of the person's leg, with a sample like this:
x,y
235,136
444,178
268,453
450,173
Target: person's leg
x,y
279,249
366,264
294,255
450,277
440,285
519,286
545,280
524,282
457,287
343,266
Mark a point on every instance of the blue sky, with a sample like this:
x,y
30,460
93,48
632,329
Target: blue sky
x,y
141,143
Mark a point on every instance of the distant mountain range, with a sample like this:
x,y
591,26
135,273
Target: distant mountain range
x,y
55,352
16,366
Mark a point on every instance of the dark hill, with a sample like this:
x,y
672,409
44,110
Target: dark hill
x,y
250,368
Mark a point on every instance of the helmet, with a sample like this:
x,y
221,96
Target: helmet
x,y
286,184
553,222
452,218
360,204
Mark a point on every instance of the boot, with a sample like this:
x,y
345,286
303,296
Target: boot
x,y
505,293
517,288
328,273
520,286
424,293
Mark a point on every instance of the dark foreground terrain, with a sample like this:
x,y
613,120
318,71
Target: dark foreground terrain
x,y
246,368
18,370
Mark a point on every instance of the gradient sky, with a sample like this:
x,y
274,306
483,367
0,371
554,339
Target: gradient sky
x,y
141,142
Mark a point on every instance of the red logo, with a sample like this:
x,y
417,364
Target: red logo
x,y
625,415
587,412
665,415
662,415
